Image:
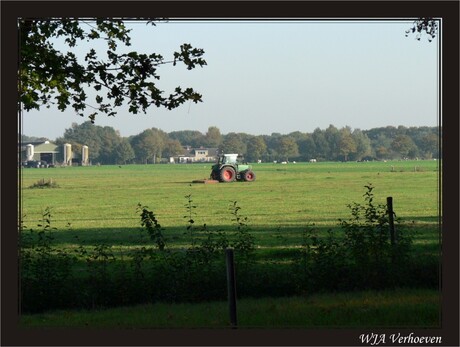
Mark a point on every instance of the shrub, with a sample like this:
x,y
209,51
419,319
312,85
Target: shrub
x,y
44,269
149,221
362,258
44,184
375,260
244,241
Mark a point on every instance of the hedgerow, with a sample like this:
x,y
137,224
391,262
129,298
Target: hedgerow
x,y
359,256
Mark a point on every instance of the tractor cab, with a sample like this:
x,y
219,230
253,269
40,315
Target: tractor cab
x,y
228,159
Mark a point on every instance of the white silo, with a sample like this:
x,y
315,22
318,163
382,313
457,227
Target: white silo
x,y
67,154
30,152
84,155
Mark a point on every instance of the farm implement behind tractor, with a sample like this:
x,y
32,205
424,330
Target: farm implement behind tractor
x,y
229,169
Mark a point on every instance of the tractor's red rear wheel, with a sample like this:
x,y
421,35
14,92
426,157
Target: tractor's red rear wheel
x,y
249,176
227,174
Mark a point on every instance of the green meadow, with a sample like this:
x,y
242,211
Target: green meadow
x,y
283,199
98,205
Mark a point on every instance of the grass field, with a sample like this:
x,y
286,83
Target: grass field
x,y
101,202
98,205
400,308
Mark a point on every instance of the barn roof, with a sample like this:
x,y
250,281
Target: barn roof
x,y
46,148
41,147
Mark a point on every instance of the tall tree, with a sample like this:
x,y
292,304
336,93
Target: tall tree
x,y
48,76
101,141
149,145
83,134
123,152
109,139
382,152
430,146
172,148
192,138
321,143
403,145
332,137
307,147
363,144
233,143
256,148
346,143
213,137
287,148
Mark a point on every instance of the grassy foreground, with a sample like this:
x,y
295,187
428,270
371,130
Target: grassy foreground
x,y
392,308
95,221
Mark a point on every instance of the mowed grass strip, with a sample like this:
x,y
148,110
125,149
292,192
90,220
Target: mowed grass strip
x,y
392,308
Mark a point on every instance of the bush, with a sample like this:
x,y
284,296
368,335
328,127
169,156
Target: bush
x,y
44,269
362,258
44,184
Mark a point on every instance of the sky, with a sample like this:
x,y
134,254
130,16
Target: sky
x,y
265,77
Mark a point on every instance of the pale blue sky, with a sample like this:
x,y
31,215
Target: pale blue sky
x,y
282,76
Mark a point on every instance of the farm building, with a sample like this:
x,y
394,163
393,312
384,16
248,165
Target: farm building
x,y
46,153
197,155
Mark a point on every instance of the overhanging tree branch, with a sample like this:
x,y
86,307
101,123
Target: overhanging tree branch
x,y
426,25
48,76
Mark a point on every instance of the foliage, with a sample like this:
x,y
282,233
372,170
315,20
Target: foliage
x,y
256,148
106,146
362,258
150,222
98,261
425,25
172,148
123,152
103,142
189,216
212,243
347,144
149,145
192,138
244,244
324,263
44,269
48,76
286,148
233,143
213,137
403,145
367,238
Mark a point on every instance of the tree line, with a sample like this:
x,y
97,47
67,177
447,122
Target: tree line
x,y
154,145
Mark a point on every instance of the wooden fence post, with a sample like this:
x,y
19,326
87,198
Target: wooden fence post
x,y
391,219
231,286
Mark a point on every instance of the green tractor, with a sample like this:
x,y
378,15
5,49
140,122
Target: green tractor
x,y
229,169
